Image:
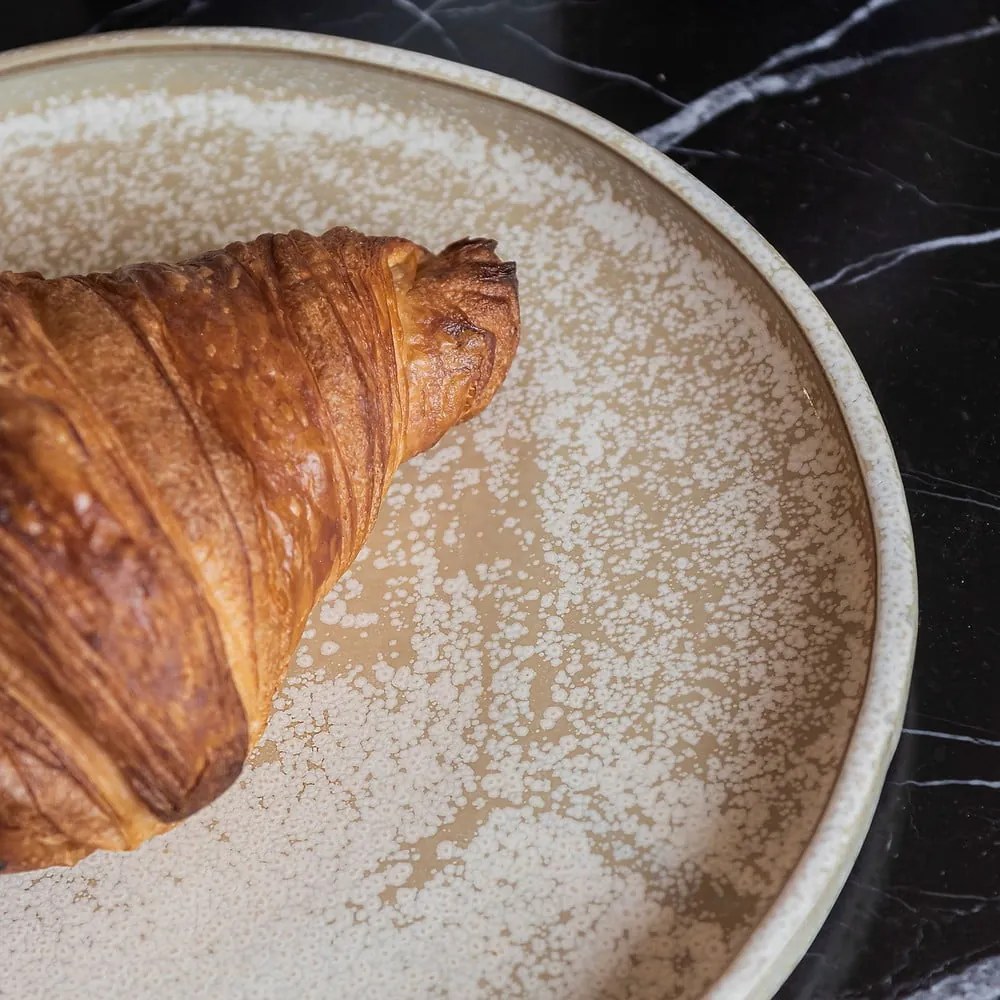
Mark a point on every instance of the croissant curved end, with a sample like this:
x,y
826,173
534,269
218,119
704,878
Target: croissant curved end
x,y
460,320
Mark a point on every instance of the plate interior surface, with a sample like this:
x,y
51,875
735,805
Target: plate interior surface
x,y
571,719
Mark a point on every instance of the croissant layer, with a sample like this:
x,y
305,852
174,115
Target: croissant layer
x,y
190,455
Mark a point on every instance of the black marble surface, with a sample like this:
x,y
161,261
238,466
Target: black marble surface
x,y
863,140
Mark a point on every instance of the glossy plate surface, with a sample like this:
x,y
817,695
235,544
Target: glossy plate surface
x,y
605,705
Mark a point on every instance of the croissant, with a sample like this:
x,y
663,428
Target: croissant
x,y
190,455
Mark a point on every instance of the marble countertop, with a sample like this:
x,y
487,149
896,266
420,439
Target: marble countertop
x,y
863,140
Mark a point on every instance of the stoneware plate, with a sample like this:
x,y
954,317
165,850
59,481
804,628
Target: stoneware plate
x,y
605,706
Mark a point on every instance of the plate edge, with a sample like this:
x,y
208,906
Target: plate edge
x,y
786,929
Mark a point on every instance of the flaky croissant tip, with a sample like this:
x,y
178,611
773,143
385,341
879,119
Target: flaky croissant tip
x,y
461,321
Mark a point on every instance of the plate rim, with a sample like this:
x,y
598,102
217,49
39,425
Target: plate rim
x,y
797,913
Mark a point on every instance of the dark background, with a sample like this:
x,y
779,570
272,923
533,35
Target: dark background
x,y
875,149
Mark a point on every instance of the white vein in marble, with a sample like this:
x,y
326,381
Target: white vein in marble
x,y
424,18
945,783
604,74
759,83
119,16
864,167
928,478
827,39
956,737
966,896
876,263
980,981
489,6
952,496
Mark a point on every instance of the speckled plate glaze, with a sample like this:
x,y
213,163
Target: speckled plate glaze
x,y
605,706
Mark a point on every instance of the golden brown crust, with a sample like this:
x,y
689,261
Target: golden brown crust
x,y
189,456
453,306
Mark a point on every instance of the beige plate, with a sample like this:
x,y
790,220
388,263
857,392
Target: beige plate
x,y
604,708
